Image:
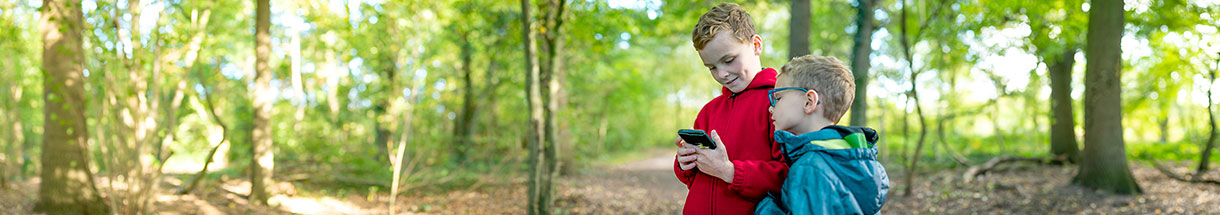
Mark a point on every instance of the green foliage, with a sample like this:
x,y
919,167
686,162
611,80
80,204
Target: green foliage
x,y
631,78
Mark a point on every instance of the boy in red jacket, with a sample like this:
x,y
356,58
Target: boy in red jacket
x,y
745,165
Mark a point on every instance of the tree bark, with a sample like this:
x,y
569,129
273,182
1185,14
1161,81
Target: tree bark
x,y
798,25
1063,123
913,169
860,62
461,127
1205,158
10,161
1163,124
1103,163
262,163
537,198
381,104
67,184
551,75
388,89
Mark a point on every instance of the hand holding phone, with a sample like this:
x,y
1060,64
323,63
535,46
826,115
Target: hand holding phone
x,y
697,137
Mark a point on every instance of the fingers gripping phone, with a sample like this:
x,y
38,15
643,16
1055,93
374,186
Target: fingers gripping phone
x,y
697,137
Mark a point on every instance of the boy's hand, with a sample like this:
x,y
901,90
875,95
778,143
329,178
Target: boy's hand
x,y
687,154
715,162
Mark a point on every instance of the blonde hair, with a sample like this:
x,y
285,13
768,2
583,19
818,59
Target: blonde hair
x,y
725,16
826,75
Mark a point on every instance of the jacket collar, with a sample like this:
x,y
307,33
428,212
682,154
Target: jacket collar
x,y
764,79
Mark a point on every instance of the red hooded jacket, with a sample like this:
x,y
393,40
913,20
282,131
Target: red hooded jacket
x,y
744,125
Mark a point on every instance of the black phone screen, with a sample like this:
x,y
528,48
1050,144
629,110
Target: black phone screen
x,y
697,137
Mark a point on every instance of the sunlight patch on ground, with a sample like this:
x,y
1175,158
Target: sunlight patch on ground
x,y
201,206
324,205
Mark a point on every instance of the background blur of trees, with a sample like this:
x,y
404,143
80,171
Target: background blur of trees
x,y
437,88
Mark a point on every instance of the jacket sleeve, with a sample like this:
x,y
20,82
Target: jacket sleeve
x,y
688,176
754,178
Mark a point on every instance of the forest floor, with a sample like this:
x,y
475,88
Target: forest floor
x,y
647,186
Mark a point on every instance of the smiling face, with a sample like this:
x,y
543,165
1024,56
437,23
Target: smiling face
x,y
731,62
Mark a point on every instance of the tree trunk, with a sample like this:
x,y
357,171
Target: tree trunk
x,y
10,161
913,169
1205,158
798,25
1103,163
67,184
995,125
461,127
298,87
388,89
402,167
6,159
538,200
333,74
381,104
860,62
262,163
1063,123
923,133
491,85
906,130
1163,124
216,142
381,139
551,74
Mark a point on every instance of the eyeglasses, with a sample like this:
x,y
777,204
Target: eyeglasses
x,y
771,93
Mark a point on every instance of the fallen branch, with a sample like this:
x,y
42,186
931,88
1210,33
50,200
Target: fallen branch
x,y
1175,176
974,171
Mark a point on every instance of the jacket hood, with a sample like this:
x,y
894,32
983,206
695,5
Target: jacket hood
x,y
796,145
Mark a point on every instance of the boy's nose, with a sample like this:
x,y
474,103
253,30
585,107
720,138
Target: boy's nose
x,y
723,73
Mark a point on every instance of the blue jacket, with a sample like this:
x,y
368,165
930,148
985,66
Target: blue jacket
x,y
828,176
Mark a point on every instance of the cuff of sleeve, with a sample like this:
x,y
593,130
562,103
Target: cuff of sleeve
x,y
739,185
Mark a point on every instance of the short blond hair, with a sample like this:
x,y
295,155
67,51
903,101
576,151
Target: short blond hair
x,y
725,16
826,75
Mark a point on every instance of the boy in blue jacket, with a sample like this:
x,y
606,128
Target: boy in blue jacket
x,y
833,169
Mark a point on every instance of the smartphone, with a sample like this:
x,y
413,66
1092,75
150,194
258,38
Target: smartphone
x,y
697,137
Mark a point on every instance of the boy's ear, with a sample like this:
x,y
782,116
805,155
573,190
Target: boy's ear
x,y
812,101
757,42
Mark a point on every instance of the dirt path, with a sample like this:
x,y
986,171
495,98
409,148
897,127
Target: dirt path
x,y
647,186
642,186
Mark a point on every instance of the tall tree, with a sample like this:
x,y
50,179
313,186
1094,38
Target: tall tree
x,y
381,103
1063,124
1205,158
907,39
538,198
67,184
1103,163
798,29
262,163
461,127
860,61
551,74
